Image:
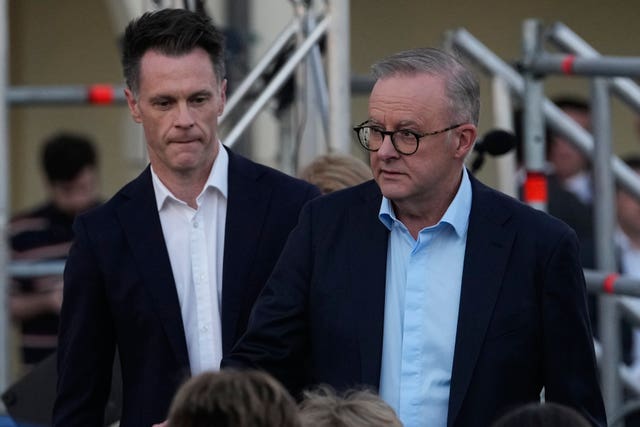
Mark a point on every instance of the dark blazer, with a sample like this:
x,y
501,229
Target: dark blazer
x,y
119,292
522,322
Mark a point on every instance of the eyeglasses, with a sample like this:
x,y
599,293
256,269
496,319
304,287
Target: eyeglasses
x,y
404,141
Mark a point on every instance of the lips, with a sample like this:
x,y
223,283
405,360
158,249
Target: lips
x,y
184,141
388,172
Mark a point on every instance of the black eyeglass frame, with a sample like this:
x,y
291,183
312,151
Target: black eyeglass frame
x,y
391,133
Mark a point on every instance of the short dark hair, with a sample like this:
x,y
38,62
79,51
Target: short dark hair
x,y
231,398
172,32
65,155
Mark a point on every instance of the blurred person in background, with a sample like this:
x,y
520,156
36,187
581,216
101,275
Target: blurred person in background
x,y
332,172
69,163
568,164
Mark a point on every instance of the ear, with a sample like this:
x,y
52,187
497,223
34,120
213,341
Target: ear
x,y
132,102
467,134
223,97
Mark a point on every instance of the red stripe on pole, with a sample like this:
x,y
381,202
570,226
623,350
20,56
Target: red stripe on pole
x,y
101,94
535,187
609,282
567,64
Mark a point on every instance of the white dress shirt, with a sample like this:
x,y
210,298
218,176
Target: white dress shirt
x,y
195,242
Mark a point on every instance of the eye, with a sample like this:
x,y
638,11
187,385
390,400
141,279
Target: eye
x,y
161,104
405,133
199,100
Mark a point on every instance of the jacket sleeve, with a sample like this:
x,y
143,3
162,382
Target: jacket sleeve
x,y
87,339
569,359
277,333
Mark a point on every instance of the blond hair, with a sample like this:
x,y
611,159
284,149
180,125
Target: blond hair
x,y
322,407
333,172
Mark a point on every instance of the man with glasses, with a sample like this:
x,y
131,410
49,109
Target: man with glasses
x,y
452,300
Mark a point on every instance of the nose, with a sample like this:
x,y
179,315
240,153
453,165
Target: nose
x,y
387,150
184,116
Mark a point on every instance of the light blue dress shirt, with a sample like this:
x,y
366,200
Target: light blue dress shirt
x,y
423,284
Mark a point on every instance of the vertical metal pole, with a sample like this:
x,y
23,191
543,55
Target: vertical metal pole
x,y
535,187
503,119
307,138
605,220
338,55
4,198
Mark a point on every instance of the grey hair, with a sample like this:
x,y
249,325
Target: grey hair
x,y
461,86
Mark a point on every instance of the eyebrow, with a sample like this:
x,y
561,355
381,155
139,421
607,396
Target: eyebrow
x,y
159,97
400,125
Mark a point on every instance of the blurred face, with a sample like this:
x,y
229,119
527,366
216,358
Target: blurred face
x,y
628,210
178,104
566,158
418,104
76,195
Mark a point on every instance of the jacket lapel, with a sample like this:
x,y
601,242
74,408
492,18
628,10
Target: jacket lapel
x,y
246,209
489,243
141,223
369,265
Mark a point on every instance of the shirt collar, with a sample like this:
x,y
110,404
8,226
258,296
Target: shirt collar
x,y
456,215
218,179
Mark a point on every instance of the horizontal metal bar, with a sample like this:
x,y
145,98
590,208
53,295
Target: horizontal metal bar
x,y
20,269
66,95
564,38
611,283
612,66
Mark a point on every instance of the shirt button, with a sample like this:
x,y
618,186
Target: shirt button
x,y
204,329
195,224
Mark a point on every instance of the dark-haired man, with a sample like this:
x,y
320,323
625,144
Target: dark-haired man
x,y
168,269
44,234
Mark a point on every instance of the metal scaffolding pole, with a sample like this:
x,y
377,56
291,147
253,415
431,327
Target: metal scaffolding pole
x,y
506,165
605,220
576,65
563,37
535,186
611,283
339,80
97,94
276,48
556,118
4,198
275,84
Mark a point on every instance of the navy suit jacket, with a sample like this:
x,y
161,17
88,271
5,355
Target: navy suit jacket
x,y
522,322
120,292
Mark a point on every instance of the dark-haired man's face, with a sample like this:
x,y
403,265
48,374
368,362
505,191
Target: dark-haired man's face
x,y
78,194
178,104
